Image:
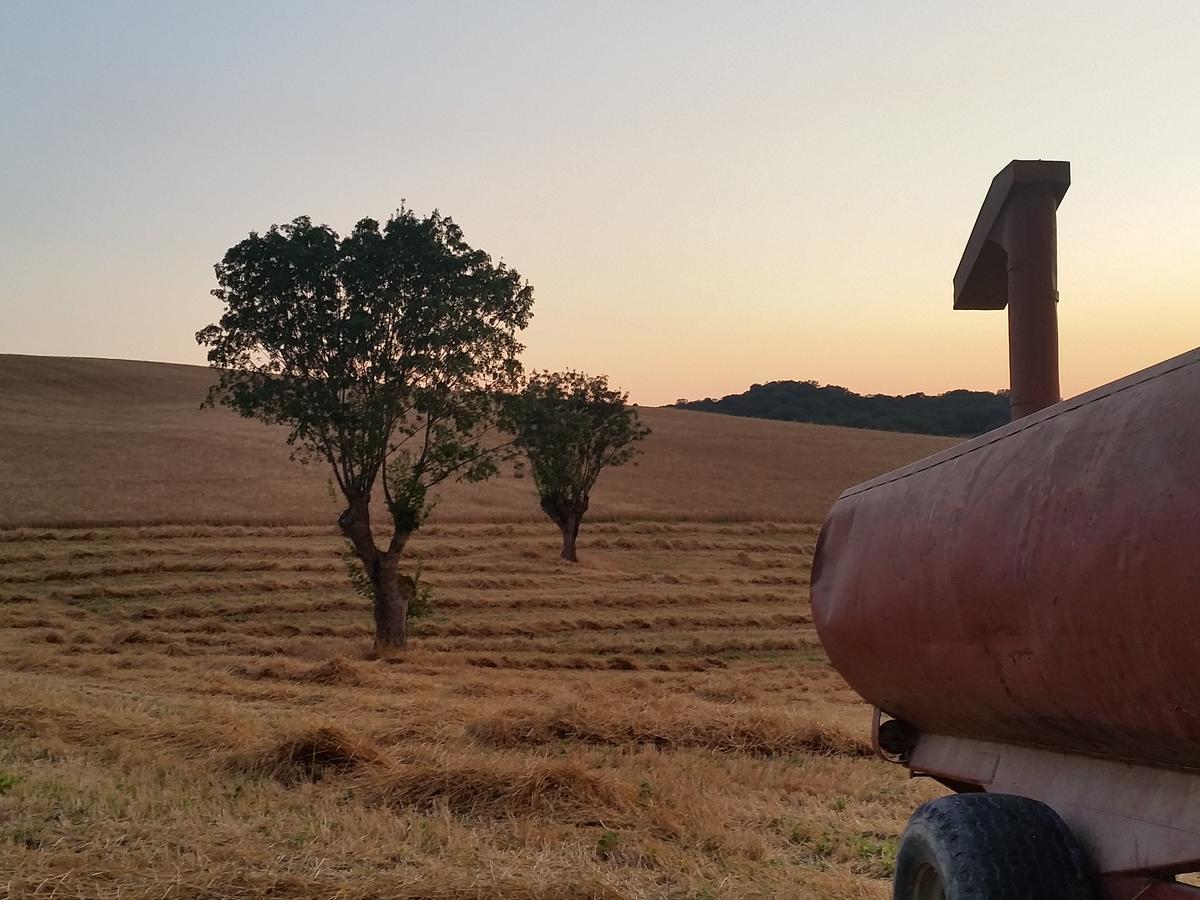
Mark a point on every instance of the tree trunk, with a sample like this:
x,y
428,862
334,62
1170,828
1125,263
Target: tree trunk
x,y
569,527
393,592
568,516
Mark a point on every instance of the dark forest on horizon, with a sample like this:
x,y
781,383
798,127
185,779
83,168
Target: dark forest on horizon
x,y
958,413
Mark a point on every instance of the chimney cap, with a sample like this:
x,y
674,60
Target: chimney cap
x,y
981,280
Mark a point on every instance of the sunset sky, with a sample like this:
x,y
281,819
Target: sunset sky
x,y
703,195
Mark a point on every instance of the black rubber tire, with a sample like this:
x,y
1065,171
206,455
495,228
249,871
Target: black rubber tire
x,y
989,847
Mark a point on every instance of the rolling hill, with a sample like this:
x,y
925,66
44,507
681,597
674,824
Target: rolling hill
x,y
97,441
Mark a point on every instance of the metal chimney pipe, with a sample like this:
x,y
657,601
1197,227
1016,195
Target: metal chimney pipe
x,y
1030,237
1011,259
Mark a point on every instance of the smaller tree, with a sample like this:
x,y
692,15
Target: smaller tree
x,y
571,427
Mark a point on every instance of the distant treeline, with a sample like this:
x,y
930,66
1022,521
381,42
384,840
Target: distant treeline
x,y
955,413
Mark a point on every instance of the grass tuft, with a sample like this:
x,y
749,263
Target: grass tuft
x,y
750,731
337,670
312,755
562,790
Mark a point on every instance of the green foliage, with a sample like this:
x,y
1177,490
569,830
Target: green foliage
x,y
571,427
357,575
955,413
22,837
7,782
380,352
606,845
406,495
421,606
867,852
875,854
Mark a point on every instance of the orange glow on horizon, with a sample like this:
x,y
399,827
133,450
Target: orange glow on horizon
x,y
701,201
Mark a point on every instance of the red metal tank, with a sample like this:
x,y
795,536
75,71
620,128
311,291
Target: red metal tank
x,y
1038,585
1026,606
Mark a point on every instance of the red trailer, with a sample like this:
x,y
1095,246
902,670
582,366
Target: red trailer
x,y
1023,609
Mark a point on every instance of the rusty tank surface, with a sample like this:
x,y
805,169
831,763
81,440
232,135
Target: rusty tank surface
x,y
1023,609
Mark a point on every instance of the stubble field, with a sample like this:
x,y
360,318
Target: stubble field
x,y
189,711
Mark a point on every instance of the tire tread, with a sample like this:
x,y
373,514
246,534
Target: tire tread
x,y
993,847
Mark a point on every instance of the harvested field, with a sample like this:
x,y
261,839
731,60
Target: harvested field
x,y
189,712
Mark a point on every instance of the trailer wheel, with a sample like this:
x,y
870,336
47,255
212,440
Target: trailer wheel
x,y
989,847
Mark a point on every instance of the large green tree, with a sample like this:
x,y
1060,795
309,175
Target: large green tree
x,y
383,353
571,427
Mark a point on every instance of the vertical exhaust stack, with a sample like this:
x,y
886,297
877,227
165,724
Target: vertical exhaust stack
x,y
1011,259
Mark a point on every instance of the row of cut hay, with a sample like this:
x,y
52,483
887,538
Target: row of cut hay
x,y
356,627
118,531
222,632
136,648
544,559
504,575
537,572
20,616
168,589
244,645
186,548
771,580
277,608
486,787
70,554
535,594
633,642
557,599
263,638
590,663
332,594
59,876
310,755
505,578
716,544
533,628
135,643
561,790
687,529
602,524
545,546
37,525
94,718
160,566
337,670
729,729
314,599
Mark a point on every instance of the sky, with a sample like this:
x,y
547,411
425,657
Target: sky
x,y
703,195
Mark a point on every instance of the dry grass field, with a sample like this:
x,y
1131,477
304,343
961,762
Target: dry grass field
x,y
188,709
